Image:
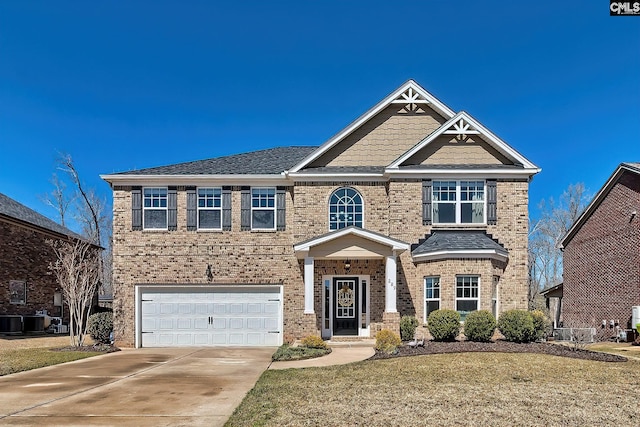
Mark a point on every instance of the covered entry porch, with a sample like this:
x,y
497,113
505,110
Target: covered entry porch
x,y
346,272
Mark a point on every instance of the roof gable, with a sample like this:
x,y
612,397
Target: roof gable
x,y
460,129
410,97
633,168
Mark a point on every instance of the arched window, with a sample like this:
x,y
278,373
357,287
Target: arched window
x,y
345,208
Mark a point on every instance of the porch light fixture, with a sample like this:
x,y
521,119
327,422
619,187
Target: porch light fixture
x,y
347,265
209,273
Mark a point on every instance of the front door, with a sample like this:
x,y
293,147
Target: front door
x,y
345,303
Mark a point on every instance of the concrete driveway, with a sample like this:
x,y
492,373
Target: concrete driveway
x,y
143,387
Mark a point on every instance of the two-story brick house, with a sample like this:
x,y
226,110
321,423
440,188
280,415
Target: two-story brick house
x,y
601,259
410,208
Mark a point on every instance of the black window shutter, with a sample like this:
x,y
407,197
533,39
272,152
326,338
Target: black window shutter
x,y
226,208
426,202
172,209
245,208
281,206
492,201
136,208
192,211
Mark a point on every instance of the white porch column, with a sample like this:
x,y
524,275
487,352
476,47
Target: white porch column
x,y
308,285
390,288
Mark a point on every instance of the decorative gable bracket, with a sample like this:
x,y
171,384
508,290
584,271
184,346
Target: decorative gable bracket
x,y
412,99
461,129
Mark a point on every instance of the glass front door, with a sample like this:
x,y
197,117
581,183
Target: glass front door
x,y
345,303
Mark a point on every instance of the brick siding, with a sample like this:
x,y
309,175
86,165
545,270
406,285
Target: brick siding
x,y
602,262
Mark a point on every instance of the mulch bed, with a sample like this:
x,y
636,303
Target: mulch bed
x,y
99,348
433,347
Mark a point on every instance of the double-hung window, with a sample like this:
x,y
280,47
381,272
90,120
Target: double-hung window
x,y
467,295
263,208
431,295
154,208
210,208
458,202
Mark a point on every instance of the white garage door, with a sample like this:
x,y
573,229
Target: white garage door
x,y
236,316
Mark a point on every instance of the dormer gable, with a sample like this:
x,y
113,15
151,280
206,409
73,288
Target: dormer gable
x,y
462,142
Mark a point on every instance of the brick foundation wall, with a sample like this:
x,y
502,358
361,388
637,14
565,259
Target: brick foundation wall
x,y
602,262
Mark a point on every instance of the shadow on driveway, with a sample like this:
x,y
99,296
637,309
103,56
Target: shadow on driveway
x,y
142,387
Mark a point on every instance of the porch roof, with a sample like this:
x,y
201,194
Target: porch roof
x,y
350,242
458,244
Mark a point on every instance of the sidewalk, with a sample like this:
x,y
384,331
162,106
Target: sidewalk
x,y
341,354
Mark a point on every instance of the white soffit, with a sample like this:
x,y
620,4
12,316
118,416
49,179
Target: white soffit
x,y
463,124
410,93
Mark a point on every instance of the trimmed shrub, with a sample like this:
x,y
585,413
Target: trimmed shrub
x,y
444,325
408,325
517,326
314,341
99,326
479,326
387,341
541,325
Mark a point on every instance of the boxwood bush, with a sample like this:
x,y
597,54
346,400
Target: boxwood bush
x,y
314,341
517,326
408,325
541,324
479,326
99,326
444,325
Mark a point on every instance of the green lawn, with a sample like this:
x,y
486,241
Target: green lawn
x,y
476,389
24,359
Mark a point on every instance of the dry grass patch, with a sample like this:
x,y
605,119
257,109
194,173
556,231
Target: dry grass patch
x,y
12,361
474,389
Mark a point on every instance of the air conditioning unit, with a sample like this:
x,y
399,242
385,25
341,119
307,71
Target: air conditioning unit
x,y
60,329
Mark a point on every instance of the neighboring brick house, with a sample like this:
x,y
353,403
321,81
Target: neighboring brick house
x,y
602,257
26,283
410,208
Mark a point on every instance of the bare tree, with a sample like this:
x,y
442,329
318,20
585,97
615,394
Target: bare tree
x,y
87,210
59,198
545,237
77,269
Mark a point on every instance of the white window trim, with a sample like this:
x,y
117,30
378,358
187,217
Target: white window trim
x,y
166,209
458,202
198,208
329,208
477,299
274,209
439,299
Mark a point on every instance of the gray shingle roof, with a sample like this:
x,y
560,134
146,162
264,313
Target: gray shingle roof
x,y
633,165
12,209
270,161
344,169
458,240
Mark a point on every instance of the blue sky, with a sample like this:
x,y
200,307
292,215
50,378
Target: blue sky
x,y
124,85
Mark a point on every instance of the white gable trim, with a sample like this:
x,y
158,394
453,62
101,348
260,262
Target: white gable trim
x,y
395,245
236,179
453,125
461,254
417,95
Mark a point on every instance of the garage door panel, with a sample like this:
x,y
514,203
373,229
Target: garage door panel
x,y
217,317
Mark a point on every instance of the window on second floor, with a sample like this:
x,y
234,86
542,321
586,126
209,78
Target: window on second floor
x,y
210,208
345,209
458,202
154,208
263,208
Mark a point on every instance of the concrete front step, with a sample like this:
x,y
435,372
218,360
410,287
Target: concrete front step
x,y
351,342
